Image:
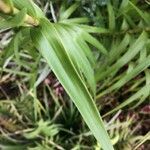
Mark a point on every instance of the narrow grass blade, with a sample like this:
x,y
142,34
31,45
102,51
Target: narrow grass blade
x,y
114,54
66,14
143,16
93,41
144,139
75,20
138,69
134,97
134,49
111,17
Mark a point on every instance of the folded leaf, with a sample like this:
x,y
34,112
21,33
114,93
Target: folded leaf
x,y
48,42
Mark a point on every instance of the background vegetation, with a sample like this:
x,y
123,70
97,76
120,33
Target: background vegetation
x,y
35,111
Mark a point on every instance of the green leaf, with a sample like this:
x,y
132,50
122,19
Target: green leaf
x,y
43,127
48,42
93,41
15,21
43,74
77,55
124,4
111,16
143,140
66,14
138,69
32,8
13,147
134,97
134,49
19,40
75,20
92,29
143,16
115,54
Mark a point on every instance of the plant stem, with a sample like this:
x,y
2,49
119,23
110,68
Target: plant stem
x,y
5,8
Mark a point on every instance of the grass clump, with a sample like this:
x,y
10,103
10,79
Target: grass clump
x,y
62,59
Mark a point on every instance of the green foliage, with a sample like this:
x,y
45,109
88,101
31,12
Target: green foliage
x,y
99,52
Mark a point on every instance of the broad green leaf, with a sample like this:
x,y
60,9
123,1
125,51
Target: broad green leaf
x,y
77,55
48,42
